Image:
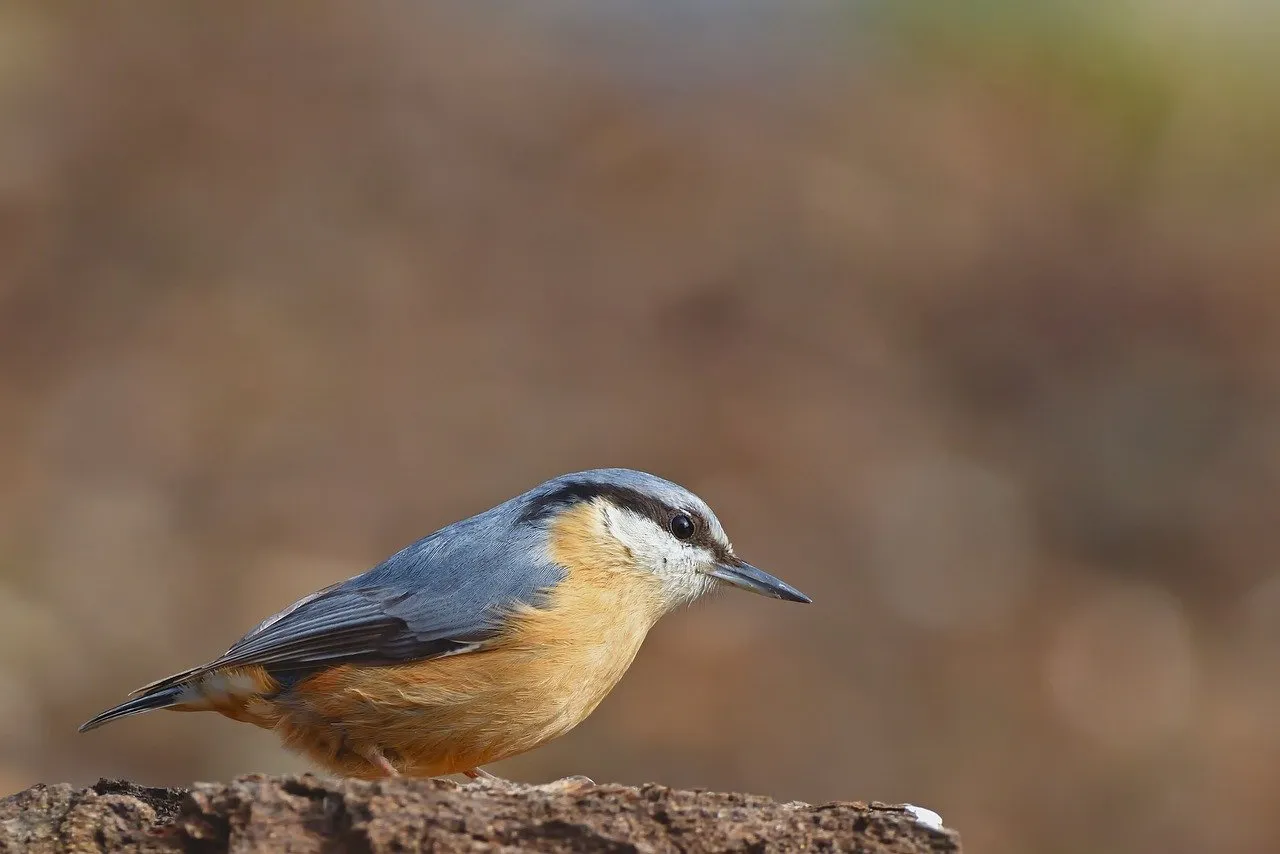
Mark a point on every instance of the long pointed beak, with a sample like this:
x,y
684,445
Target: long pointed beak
x,y
742,574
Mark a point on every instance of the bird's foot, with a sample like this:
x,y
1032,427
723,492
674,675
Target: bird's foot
x,y
570,785
383,764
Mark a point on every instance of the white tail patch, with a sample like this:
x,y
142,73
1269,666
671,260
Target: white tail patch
x,y
219,689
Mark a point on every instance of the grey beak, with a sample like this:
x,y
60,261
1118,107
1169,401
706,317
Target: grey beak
x,y
742,574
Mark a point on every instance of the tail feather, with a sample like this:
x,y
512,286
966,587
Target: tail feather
x,y
162,699
198,689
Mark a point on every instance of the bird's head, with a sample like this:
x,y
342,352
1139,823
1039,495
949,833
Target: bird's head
x,y
649,525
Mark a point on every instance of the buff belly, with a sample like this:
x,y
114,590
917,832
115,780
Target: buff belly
x,y
439,717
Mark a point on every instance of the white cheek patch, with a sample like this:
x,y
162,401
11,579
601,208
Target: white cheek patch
x,y
677,564
651,545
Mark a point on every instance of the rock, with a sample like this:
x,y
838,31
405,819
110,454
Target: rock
x,y
306,813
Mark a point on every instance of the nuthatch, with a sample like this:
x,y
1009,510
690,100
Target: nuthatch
x,y
486,639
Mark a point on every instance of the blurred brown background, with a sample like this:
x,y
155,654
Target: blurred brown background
x,y
962,316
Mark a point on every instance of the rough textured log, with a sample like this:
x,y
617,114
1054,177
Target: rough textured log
x,y
306,814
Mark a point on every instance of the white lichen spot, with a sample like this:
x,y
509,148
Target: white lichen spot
x,y
928,818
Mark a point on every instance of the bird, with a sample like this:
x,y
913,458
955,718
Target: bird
x,y
481,641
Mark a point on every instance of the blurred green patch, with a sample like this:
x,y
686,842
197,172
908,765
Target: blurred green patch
x,y
1139,72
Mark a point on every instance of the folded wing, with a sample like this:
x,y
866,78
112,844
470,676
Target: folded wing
x,y
432,599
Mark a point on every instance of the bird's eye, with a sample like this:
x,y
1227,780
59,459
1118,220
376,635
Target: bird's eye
x,y
682,526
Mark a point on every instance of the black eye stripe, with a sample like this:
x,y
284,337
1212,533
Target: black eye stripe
x,y
576,493
633,500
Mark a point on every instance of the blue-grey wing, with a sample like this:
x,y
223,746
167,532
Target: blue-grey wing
x,y
445,594
362,624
